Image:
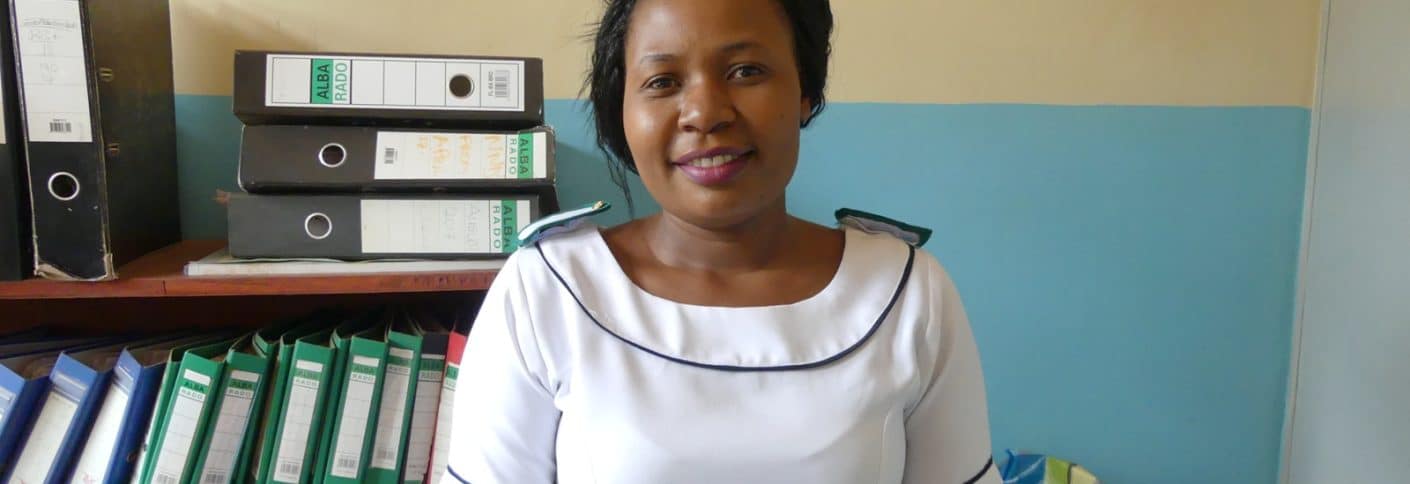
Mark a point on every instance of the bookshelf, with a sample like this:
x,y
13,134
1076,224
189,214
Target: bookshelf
x,y
154,293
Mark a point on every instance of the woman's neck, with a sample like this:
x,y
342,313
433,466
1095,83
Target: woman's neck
x,y
751,245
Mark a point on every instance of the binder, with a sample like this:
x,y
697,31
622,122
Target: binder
x,y
96,91
15,247
123,417
279,344
388,90
358,227
399,390
440,448
184,415
24,378
362,159
347,442
310,369
434,341
226,447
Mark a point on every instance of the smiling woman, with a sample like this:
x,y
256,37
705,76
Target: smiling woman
x,y
723,339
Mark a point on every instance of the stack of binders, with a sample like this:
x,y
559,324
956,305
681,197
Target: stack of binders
x,y
365,157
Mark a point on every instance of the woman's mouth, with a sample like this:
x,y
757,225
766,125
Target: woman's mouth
x,y
715,166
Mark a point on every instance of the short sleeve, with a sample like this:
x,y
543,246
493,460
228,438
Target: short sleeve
x,y
505,421
947,431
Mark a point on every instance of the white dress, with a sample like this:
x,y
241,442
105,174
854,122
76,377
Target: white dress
x,y
573,374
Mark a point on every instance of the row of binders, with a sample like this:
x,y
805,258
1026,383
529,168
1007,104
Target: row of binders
x,y
323,399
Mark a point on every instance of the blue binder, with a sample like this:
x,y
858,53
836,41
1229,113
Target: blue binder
x,y
20,391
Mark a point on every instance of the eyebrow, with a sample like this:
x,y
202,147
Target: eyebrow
x,y
727,49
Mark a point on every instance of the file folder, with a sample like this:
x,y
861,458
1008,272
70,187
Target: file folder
x,y
357,227
434,341
229,440
99,132
388,90
310,369
399,390
276,159
15,246
347,442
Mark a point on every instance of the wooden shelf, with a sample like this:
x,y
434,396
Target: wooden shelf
x,y
161,274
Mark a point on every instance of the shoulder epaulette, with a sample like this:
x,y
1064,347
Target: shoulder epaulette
x,y
559,222
876,224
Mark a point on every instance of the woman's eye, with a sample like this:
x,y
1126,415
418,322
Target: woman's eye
x,y
745,71
660,83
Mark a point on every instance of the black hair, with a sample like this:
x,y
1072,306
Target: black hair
x,y
811,23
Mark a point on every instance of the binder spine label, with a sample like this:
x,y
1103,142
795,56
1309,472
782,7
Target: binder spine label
x,y
442,226
357,404
444,423
53,70
93,462
403,155
393,83
38,455
181,427
423,417
230,427
7,399
298,418
387,448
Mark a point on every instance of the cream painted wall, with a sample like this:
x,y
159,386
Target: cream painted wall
x,y
1146,52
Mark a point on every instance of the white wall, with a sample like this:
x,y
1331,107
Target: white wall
x,y
1351,417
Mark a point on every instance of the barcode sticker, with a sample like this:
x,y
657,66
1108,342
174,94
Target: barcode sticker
x,y
409,155
357,405
231,424
442,226
387,442
370,82
299,411
53,70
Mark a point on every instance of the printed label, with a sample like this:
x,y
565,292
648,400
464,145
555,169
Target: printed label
x,y
181,428
357,404
53,70
444,423
230,426
393,83
442,226
93,461
423,416
298,419
403,155
44,441
387,443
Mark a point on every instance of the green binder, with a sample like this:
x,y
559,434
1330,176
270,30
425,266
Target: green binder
x,y
225,448
389,446
141,470
348,441
277,344
186,412
300,407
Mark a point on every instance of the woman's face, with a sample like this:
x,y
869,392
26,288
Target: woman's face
x,y
712,106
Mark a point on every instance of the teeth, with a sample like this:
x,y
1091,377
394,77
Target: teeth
x,y
712,161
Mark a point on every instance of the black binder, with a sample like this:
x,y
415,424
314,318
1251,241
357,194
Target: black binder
x,y
102,174
354,227
471,92
284,159
15,262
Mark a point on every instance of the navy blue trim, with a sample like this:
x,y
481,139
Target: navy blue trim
x,y
972,480
452,473
905,277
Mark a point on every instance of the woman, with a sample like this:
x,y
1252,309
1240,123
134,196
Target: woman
x,y
722,340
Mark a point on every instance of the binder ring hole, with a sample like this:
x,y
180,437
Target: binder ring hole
x,y
318,226
460,86
63,186
332,154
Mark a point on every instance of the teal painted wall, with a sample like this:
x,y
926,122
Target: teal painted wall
x,y
1129,270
